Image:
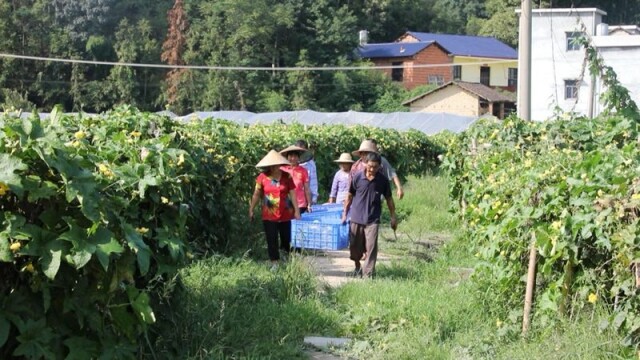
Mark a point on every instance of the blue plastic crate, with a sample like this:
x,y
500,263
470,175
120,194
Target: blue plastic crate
x,y
323,233
321,215
327,207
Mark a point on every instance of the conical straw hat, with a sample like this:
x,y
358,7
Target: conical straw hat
x,y
366,145
292,148
344,158
271,159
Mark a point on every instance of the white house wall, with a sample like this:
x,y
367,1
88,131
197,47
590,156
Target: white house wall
x,y
499,71
552,64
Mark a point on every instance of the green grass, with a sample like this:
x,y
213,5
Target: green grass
x,y
421,306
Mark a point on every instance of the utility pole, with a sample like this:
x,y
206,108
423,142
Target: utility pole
x,y
524,62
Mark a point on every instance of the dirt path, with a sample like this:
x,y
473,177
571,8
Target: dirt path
x,y
334,267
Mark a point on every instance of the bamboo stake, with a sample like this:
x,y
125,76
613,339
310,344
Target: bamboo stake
x,y
531,282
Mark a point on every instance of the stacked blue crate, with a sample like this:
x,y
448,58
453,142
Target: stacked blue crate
x,y
322,229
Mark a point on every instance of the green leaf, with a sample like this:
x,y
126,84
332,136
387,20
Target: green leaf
x,y
82,249
619,320
124,320
5,326
80,185
27,126
135,241
6,254
8,166
140,303
51,259
145,182
37,189
173,243
106,244
144,260
81,348
35,338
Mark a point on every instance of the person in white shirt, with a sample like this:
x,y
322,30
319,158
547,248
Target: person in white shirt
x,y
310,165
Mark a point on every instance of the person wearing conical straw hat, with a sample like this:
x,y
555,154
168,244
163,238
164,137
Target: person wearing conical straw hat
x,y
276,189
299,174
368,146
340,185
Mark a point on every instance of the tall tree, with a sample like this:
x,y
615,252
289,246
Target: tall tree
x,y
173,48
502,22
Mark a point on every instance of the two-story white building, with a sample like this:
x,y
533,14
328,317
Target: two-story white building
x,y
560,78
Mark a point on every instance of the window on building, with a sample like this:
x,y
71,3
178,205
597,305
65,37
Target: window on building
x,y
437,80
397,72
571,89
513,77
572,43
485,75
457,72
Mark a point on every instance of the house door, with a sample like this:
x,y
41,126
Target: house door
x,y
485,75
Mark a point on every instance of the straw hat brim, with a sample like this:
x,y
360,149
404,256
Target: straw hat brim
x,y
344,158
273,158
367,146
292,148
357,152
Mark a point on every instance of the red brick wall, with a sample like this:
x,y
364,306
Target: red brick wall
x,y
416,76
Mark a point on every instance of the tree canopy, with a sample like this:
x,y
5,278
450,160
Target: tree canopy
x,y
247,33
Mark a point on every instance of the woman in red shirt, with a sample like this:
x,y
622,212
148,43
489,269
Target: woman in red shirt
x,y
279,205
300,176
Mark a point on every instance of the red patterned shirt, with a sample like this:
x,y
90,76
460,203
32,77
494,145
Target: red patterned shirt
x,y
276,205
300,177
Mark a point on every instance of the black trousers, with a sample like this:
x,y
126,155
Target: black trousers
x,y
272,229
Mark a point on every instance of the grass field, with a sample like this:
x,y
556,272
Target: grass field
x,y
422,306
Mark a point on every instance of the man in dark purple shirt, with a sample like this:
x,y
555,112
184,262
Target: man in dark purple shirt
x,y
364,204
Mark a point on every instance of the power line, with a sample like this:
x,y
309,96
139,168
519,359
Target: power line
x,y
244,68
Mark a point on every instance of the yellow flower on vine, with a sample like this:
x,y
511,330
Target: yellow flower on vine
x,y
142,230
592,298
3,188
15,246
80,135
180,160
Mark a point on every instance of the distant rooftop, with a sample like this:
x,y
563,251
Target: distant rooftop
x,y
468,45
482,91
390,50
567,10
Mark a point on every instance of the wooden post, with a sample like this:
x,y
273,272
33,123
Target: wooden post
x,y
531,283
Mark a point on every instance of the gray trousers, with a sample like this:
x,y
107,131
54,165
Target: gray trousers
x,y
364,239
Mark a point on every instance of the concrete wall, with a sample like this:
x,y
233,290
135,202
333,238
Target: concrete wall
x,y
552,64
451,99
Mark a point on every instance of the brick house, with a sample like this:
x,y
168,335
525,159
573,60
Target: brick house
x,y
474,59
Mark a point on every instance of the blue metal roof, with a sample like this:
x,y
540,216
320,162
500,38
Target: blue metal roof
x,y
466,45
391,50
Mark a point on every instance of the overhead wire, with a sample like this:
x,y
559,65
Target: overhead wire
x,y
244,68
